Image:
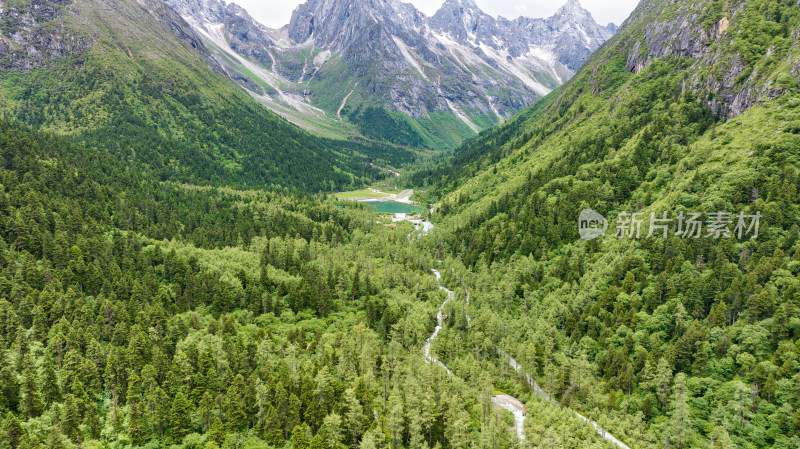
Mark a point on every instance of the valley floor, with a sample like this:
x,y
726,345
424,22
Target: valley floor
x,y
370,194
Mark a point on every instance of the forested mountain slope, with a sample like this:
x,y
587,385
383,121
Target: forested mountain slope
x,y
142,313
133,78
667,340
141,308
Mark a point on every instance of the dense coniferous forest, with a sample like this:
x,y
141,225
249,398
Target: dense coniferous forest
x,y
666,341
146,96
138,312
174,272
180,135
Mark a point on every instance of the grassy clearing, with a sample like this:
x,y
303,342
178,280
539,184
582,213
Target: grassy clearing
x,y
363,193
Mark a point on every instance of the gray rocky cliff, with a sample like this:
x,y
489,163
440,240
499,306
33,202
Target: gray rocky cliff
x,y
697,32
461,61
31,37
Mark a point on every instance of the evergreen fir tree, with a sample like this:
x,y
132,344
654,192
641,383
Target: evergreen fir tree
x,y
180,416
31,404
301,437
680,431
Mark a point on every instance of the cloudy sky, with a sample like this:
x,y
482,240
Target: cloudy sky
x,y
276,13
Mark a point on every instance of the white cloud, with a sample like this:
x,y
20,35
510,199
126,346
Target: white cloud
x,y
276,13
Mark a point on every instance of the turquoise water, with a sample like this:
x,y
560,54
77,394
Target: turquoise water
x,y
393,207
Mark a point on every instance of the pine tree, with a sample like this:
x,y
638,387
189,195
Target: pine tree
x,y
273,434
50,391
720,439
780,322
740,406
662,381
264,404
160,410
680,426
457,424
318,442
428,412
11,432
54,440
9,387
355,291
282,402
301,437
370,441
323,397
92,420
292,417
395,419
70,417
760,306
114,414
331,430
236,404
629,283
352,415
716,317
217,432
31,405
205,410
137,424
679,320
180,416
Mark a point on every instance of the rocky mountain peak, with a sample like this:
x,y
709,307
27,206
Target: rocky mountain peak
x,y
352,55
336,20
463,6
463,3
572,6
463,20
574,10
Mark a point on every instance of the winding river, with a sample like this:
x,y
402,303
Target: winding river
x,y
504,401
541,393
516,407
439,321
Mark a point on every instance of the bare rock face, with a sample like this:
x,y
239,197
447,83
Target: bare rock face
x,y
245,35
180,28
31,36
687,31
460,61
668,38
34,34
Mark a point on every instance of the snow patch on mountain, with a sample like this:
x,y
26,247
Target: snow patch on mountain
x,y
460,59
409,57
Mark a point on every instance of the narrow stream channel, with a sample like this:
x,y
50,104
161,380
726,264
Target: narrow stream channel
x,y
504,401
541,393
439,321
516,407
